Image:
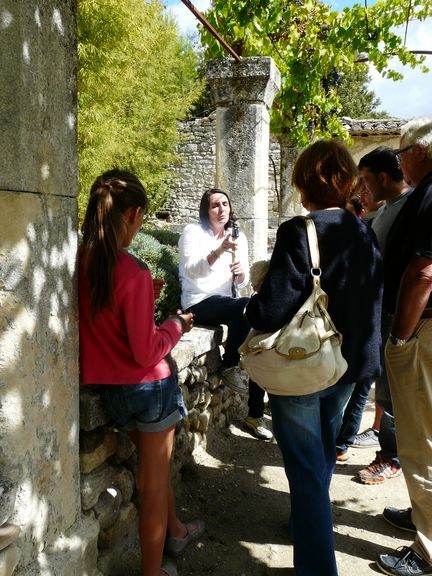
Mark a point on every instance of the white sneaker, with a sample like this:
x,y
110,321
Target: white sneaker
x,y
366,439
259,427
236,379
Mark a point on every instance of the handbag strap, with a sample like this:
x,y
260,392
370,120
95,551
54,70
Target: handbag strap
x,y
316,269
313,250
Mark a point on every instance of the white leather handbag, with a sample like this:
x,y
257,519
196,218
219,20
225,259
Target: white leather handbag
x,y
304,356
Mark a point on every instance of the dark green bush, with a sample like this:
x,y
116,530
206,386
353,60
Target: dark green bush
x,y
163,235
162,259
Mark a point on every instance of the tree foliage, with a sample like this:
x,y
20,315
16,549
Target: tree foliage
x,y
136,79
355,97
312,46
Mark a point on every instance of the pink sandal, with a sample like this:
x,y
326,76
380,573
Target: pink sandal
x,y
175,546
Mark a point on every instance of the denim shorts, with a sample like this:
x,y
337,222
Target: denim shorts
x,y
148,407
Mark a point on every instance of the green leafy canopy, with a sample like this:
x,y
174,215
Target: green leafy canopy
x,y
313,45
136,78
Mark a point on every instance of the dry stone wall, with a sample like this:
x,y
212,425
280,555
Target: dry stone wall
x,y
195,169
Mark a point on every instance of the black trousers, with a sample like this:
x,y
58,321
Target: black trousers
x,y
216,310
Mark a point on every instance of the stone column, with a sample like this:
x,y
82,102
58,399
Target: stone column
x,y
243,93
289,199
39,418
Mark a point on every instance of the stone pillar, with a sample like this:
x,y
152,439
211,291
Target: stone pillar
x,y
39,419
243,93
289,199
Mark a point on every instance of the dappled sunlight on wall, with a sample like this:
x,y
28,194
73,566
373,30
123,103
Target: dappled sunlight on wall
x,y
13,417
39,362
39,408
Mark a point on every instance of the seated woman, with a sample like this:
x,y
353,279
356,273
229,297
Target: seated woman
x,y
213,265
306,426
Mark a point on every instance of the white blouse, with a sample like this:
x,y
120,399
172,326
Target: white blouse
x,y
198,279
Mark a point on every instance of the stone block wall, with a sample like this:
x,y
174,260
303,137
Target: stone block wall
x,y
108,458
196,167
195,170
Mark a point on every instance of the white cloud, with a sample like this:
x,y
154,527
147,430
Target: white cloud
x,y
409,97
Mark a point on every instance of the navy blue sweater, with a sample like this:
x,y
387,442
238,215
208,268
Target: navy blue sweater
x,y
351,277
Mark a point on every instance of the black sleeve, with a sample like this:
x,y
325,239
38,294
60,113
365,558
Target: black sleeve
x,y
287,283
424,227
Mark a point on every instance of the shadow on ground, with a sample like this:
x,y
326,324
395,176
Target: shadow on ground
x,y
239,488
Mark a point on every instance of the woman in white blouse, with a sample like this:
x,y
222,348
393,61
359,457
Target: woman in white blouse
x,y
213,266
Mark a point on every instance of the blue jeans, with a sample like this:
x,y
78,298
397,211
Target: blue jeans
x,y
353,414
387,433
216,310
387,438
305,428
147,407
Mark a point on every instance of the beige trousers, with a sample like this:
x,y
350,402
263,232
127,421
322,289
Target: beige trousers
x,y
409,370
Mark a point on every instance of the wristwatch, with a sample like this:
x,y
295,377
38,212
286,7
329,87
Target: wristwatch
x,y
398,341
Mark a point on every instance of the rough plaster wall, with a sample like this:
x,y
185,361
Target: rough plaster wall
x,y
364,145
39,421
38,81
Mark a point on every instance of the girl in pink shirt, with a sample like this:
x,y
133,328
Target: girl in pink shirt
x,y
126,355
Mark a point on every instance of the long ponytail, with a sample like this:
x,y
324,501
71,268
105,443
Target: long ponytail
x,y
110,196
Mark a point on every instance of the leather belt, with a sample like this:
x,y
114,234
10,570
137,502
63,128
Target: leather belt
x,y
427,313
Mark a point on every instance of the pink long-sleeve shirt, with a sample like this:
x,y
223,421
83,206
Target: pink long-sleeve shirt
x,y
123,345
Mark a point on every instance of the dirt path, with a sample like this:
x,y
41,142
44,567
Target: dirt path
x,y
239,488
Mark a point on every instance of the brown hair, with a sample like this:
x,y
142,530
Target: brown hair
x,y
112,193
325,173
356,204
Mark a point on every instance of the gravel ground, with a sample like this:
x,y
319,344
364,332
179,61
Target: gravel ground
x,y
239,488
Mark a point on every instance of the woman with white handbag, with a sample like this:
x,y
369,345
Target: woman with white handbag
x,y
307,419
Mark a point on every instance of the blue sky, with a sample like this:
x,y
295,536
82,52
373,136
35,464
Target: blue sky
x,y
407,98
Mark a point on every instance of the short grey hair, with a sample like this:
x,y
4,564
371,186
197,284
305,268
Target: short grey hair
x,y
418,131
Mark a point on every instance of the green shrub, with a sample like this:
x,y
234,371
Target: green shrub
x,y
162,259
163,235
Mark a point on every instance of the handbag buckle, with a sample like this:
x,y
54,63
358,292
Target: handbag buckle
x,y
296,352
